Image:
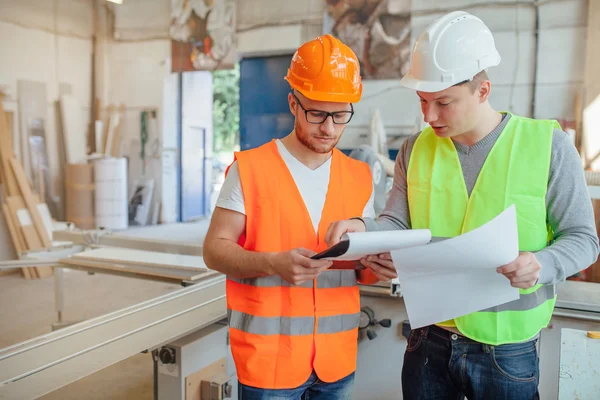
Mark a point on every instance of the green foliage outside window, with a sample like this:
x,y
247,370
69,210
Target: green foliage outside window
x,y
226,109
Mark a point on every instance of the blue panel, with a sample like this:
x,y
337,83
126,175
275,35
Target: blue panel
x,y
193,174
264,110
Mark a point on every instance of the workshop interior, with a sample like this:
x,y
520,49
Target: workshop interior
x,y
119,120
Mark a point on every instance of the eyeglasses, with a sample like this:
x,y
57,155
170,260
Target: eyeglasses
x,y
319,117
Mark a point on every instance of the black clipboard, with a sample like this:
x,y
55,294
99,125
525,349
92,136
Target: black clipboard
x,y
337,250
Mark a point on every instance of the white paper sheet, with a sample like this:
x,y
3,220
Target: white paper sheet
x,y
454,277
366,243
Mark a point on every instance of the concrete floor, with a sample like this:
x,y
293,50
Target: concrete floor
x,y
27,310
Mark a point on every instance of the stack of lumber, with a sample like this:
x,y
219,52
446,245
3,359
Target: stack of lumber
x,y
28,220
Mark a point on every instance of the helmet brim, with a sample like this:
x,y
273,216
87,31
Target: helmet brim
x,y
331,97
410,82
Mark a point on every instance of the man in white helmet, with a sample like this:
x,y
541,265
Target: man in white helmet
x,y
469,165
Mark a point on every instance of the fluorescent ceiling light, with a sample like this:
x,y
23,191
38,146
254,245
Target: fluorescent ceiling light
x,y
116,1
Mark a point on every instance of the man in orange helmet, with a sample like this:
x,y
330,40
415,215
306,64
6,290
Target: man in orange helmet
x,y
293,322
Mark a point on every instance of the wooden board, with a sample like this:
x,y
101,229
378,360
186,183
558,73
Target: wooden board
x,y
141,257
144,271
116,139
31,203
6,153
9,117
114,119
10,124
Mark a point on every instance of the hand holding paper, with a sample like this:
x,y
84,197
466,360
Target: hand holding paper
x,y
524,272
356,245
296,266
381,265
458,276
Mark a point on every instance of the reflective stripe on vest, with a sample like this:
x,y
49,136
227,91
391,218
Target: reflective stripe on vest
x,y
280,333
527,301
515,172
328,279
291,325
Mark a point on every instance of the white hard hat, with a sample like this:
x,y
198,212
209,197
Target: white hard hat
x,y
453,49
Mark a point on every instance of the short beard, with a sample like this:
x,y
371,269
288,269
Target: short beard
x,y
305,140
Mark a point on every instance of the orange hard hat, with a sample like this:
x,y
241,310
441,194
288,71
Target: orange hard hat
x,y
325,69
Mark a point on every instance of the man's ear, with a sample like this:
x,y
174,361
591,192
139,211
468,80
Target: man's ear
x,y
485,88
292,103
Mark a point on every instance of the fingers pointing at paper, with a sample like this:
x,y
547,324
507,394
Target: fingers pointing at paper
x,y
337,229
381,265
523,272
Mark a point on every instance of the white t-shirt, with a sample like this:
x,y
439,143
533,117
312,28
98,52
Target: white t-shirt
x,y
312,185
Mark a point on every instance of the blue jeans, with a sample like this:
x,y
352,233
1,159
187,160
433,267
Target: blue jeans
x,y
312,389
441,365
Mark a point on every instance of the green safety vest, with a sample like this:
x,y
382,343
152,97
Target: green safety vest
x,y
515,172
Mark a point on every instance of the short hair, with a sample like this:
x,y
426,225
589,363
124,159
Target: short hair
x,y
474,83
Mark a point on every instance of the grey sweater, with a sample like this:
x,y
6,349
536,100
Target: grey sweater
x,y
568,204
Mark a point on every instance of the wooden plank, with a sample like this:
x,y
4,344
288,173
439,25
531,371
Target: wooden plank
x,y
9,117
141,257
6,153
30,202
116,140
10,124
11,271
15,238
144,271
106,129
113,122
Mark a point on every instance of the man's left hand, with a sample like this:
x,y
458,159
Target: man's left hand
x,y
523,272
381,265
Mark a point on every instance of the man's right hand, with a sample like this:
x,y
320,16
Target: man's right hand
x,y
296,266
337,229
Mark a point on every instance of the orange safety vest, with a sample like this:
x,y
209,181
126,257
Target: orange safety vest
x,y
279,333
